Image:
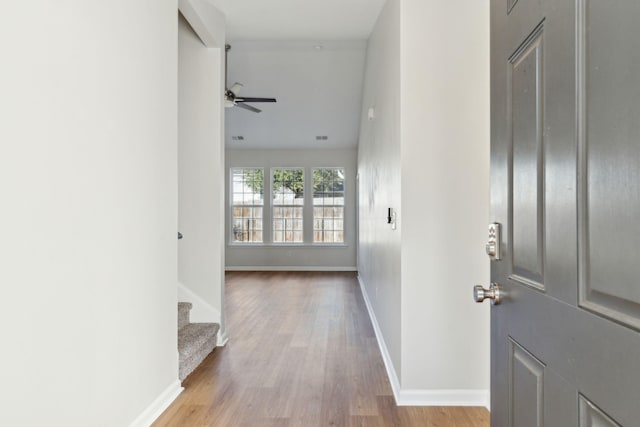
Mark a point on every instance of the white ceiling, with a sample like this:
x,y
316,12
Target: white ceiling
x,y
319,93
299,19
275,54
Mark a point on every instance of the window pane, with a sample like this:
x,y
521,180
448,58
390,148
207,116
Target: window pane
x,y
288,205
247,201
328,201
288,187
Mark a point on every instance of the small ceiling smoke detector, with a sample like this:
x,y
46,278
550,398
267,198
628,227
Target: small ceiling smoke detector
x,y
238,138
322,138
318,47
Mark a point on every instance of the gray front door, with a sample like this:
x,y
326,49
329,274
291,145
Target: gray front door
x,y
565,186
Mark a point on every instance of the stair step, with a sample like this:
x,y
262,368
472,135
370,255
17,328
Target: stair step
x,y
183,314
195,342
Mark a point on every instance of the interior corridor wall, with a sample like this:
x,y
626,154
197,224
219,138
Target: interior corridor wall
x,y
424,151
379,171
88,177
201,166
445,195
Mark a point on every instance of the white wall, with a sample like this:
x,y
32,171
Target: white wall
x,y
379,178
89,210
445,189
308,256
440,116
201,165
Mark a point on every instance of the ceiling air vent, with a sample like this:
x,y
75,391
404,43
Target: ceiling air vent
x,y
322,138
238,138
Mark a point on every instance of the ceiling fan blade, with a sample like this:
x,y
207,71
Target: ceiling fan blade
x,y
248,107
247,99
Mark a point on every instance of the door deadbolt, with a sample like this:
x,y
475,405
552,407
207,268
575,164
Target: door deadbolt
x,y
493,244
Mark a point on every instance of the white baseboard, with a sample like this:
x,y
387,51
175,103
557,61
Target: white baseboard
x,y
420,397
202,311
223,338
443,398
158,406
287,268
388,364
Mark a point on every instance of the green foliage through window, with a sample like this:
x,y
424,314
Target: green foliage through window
x,y
291,179
328,205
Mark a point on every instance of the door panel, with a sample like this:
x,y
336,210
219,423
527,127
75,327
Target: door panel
x,y
565,184
591,416
611,89
526,380
595,356
525,77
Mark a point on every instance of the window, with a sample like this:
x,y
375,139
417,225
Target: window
x,y
328,205
247,204
288,204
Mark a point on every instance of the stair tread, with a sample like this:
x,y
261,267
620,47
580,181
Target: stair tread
x,y
194,335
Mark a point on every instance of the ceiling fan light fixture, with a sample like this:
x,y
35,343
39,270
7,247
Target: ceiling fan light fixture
x,y
236,88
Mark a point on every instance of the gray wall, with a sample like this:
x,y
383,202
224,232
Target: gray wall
x,y
307,256
379,169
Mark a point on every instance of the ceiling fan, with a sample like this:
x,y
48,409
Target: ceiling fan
x,y
231,93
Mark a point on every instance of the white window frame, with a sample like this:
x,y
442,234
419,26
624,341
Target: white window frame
x,y
343,206
273,206
232,206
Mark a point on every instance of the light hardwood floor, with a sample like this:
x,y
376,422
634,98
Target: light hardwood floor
x,y
302,352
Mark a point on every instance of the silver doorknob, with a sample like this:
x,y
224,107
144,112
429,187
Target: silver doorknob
x,y
494,293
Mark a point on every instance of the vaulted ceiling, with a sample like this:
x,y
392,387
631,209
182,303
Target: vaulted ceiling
x,y
310,56
299,19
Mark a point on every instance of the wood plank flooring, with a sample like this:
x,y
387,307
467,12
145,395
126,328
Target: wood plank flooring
x,y
302,352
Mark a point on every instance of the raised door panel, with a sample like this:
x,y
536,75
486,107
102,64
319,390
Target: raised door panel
x,y
525,83
610,226
526,383
592,416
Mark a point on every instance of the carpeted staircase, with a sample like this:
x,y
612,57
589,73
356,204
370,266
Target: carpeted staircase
x,y
195,340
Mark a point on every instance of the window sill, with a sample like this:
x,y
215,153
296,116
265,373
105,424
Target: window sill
x,y
287,245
